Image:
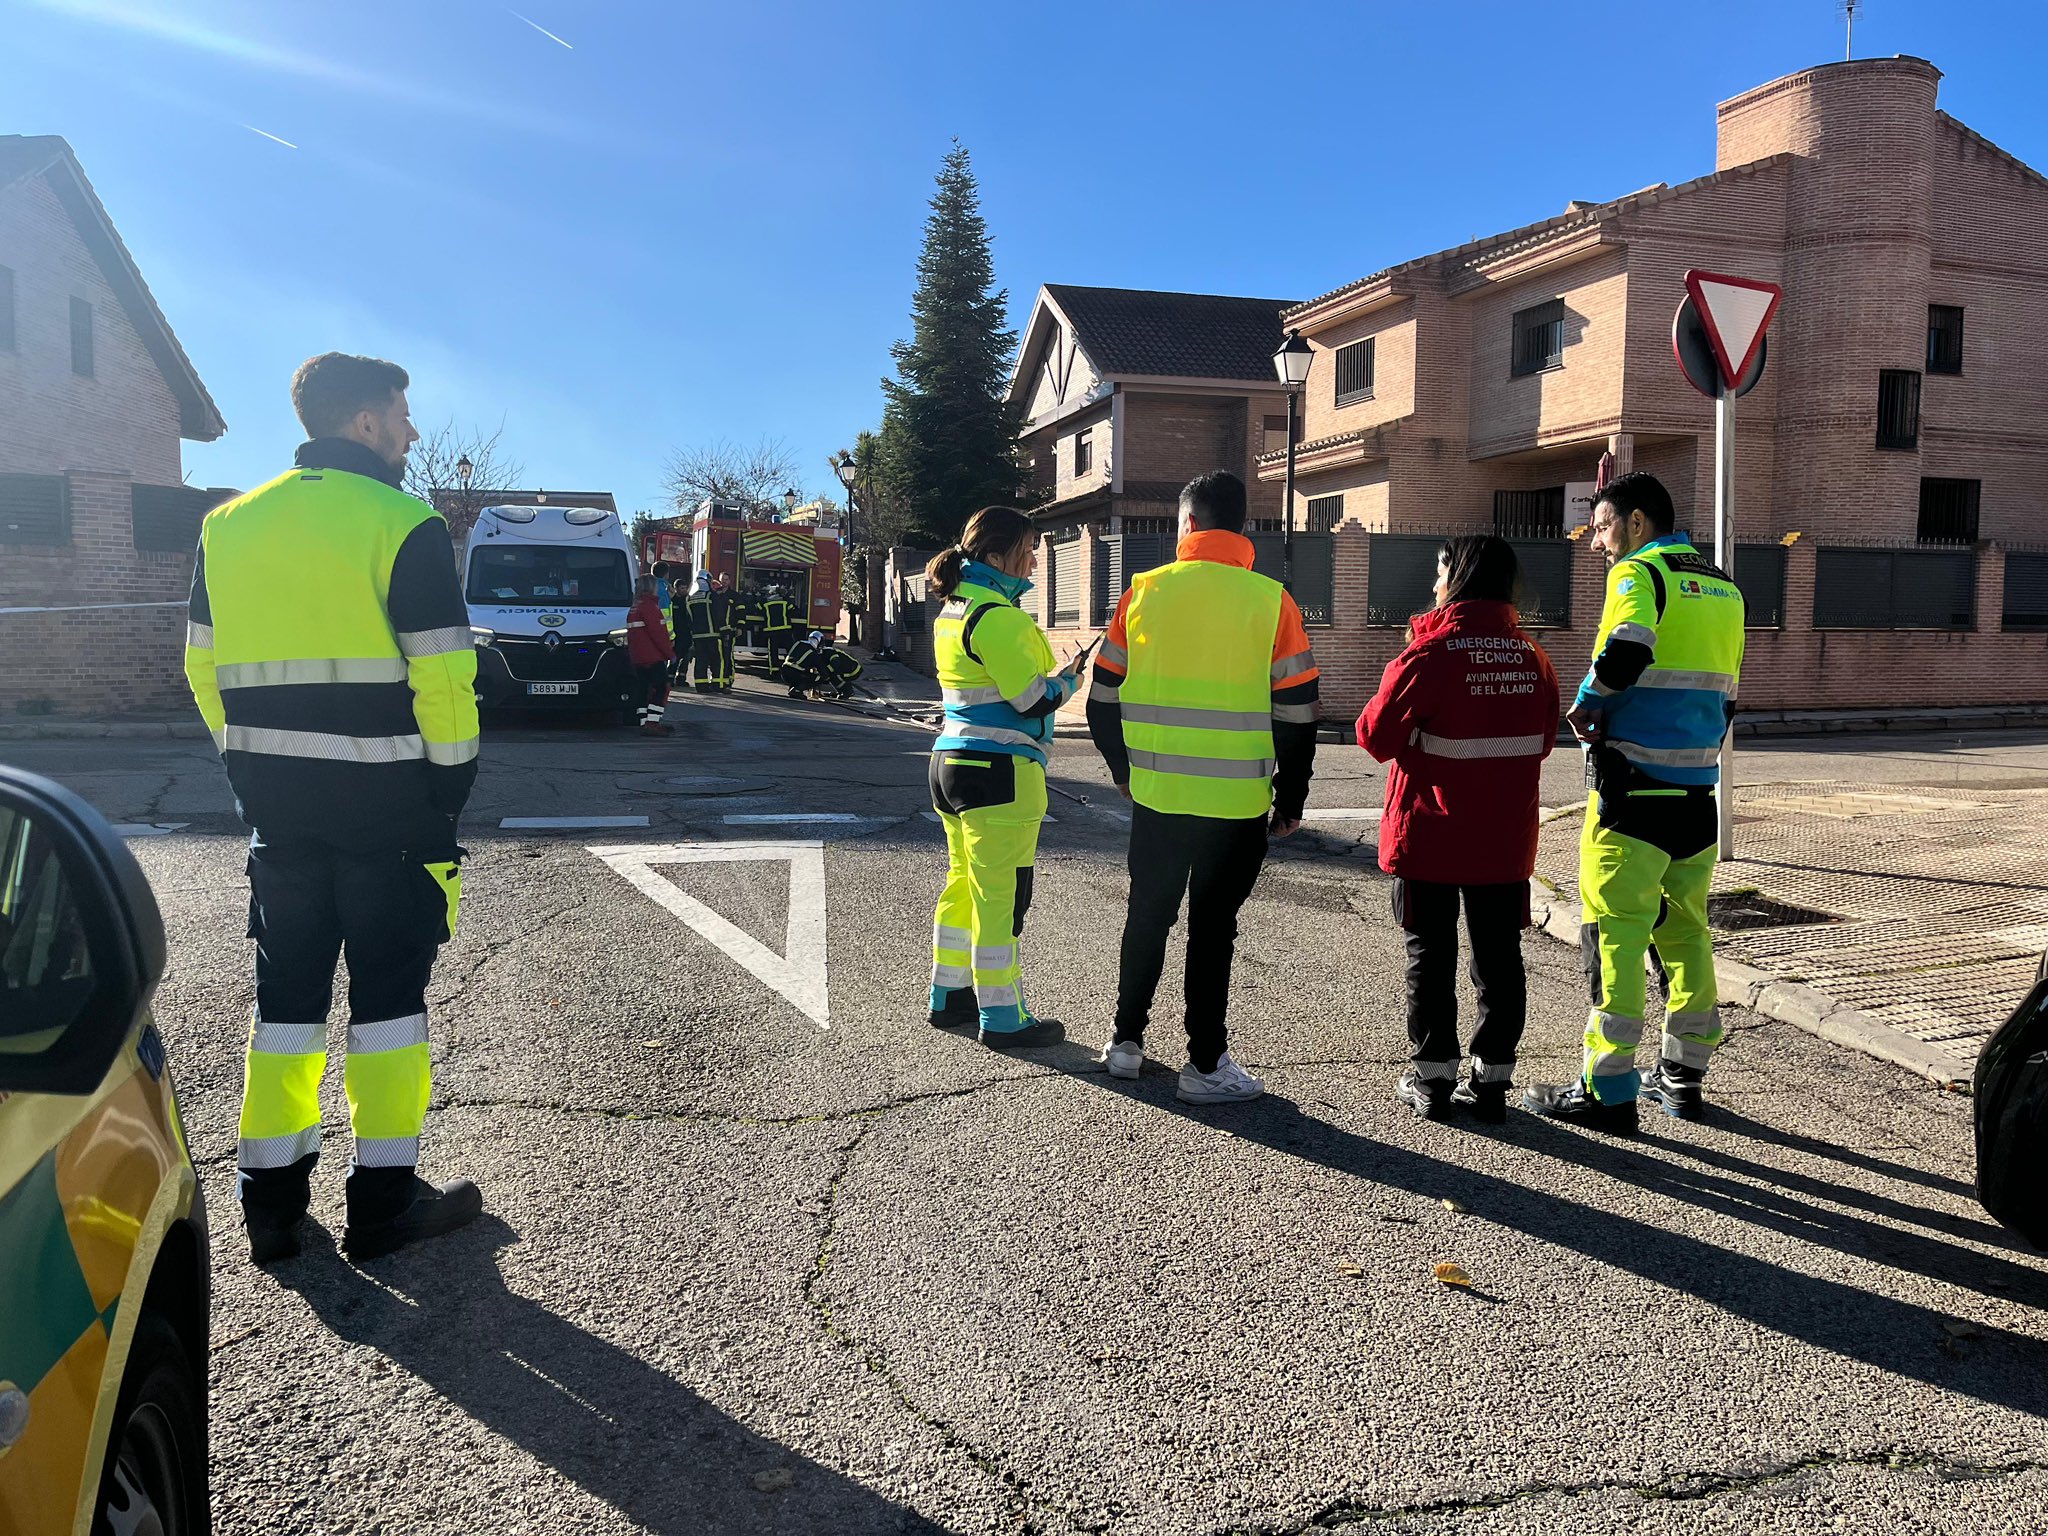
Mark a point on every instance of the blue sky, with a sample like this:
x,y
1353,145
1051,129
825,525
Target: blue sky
x,y
699,222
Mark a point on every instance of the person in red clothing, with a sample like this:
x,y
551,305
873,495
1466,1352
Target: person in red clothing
x,y
652,652
1465,716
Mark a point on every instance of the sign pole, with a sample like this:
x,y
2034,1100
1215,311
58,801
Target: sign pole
x,y
1724,557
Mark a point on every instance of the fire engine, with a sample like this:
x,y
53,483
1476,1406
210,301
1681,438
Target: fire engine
x,y
801,559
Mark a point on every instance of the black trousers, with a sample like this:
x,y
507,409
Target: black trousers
x,y
1495,916
704,662
1214,864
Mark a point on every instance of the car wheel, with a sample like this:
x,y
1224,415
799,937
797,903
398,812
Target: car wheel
x,y
155,1481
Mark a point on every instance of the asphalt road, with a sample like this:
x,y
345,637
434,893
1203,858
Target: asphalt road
x,y
744,1273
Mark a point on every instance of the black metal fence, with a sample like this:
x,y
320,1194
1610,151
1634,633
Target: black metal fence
x,y
1760,577
1895,589
2026,590
1401,579
1315,571
167,517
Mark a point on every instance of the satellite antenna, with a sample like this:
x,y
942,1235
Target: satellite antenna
x,y
1848,9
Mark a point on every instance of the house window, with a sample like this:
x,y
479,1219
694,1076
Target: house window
x,y
81,338
1529,514
1539,338
1084,452
1948,511
6,309
1354,372
1275,434
1944,338
1325,513
1898,408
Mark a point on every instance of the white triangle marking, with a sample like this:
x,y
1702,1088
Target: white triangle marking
x,y
799,972
1736,314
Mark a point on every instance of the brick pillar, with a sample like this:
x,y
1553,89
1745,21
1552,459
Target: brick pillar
x,y
1990,588
1799,567
1623,446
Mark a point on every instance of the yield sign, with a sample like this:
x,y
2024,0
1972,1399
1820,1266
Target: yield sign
x,y
798,973
1736,312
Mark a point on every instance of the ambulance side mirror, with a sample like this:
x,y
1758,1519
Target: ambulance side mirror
x,y
81,939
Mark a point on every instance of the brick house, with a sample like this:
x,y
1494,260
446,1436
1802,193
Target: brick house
x,y
1126,395
1900,431
96,524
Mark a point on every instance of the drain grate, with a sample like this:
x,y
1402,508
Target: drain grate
x,y
1733,911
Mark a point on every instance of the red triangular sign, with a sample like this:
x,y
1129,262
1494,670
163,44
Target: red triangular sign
x,y
1736,312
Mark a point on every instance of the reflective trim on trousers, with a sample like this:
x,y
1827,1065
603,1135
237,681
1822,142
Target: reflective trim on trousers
x,y
952,978
387,1034
275,1039
1668,757
277,1151
1715,682
1492,1071
1611,1041
1481,746
1198,719
967,698
449,753
199,636
387,1151
436,642
1202,767
1635,634
272,742
272,674
1002,994
994,957
952,939
1436,1071
1295,665
1295,714
1690,1038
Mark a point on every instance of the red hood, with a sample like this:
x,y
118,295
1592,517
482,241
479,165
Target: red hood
x,y
1471,617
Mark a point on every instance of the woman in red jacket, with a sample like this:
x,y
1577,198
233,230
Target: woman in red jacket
x,y
651,652
1466,715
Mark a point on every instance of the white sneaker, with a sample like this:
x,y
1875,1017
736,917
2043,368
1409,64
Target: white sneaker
x,y
1228,1084
1123,1058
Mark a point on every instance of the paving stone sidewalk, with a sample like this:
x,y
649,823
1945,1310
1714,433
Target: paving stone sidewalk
x,y
1921,910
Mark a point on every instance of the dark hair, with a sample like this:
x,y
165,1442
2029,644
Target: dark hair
x,y
1641,492
990,533
1215,500
661,567
1479,567
330,389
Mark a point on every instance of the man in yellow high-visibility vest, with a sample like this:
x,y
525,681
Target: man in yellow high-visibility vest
x,y
344,708
1203,705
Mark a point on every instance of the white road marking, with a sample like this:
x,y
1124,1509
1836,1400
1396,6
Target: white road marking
x,y
1317,813
149,828
788,818
536,823
799,972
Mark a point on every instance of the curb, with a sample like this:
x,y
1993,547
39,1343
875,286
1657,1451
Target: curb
x,y
102,730
1787,1002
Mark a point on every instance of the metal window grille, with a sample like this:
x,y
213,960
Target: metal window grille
x,y
1084,451
1325,513
1898,408
1529,514
1314,585
1539,337
1545,598
1150,525
1103,585
1400,573
1354,371
1063,579
35,509
6,309
1760,577
81,337
167,517
1944,338
1894,589
2026,590
1948,511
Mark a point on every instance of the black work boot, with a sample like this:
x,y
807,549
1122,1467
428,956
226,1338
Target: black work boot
x,y
1037,1032
1570,1103
433,1210
1486,1102
960,1012
1429,1097
1677,1088
271,1241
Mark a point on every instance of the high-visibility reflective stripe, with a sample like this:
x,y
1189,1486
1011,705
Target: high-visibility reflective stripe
x,y
272,674
277,1151
1611,1040
1106,687
968,730
994,957
1492,1071
1437,1071
275,1039
1720,682
220,740
436,642
1202,767
448,753
387,1034
199,636
1294,666
1112,652
967,698
1668,757
1295,714
952,977
387,1151
953,940
1480,746
1198,719
1003,995
1033,692
345,749
1635,634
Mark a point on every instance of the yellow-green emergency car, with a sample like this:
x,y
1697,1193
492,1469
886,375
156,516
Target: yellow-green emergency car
x,y
103,1257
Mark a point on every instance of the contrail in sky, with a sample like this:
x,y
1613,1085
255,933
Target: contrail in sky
x,y
543,31
287,143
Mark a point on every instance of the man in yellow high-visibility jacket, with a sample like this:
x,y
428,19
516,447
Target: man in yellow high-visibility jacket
x,y
1204,707
345,711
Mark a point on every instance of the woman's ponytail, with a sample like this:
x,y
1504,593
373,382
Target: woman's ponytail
x,y
944,571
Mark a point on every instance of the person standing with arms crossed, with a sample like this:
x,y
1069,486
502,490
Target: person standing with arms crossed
x,y
1652,712
988,775
344,708
1204,708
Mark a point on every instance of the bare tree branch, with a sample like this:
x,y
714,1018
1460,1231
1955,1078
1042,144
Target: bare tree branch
x,y
753,478
430,472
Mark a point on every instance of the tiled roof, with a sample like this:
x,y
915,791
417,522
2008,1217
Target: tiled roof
x,y
1135,331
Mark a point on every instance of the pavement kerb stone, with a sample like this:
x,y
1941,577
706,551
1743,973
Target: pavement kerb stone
x,y
1788,1002
59,729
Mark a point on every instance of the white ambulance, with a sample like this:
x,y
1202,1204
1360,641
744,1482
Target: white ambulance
x,y
549,589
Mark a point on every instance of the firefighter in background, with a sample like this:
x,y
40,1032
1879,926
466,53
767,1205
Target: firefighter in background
x,y
775,626
725,615
815,665
704,647
749,614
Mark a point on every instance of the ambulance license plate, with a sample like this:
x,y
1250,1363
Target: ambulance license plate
x,y
535,688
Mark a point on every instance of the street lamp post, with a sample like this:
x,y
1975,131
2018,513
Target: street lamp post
x,y
463,470
848,472
789,501
1291,363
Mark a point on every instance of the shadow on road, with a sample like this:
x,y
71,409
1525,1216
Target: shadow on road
x,y
600,1416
